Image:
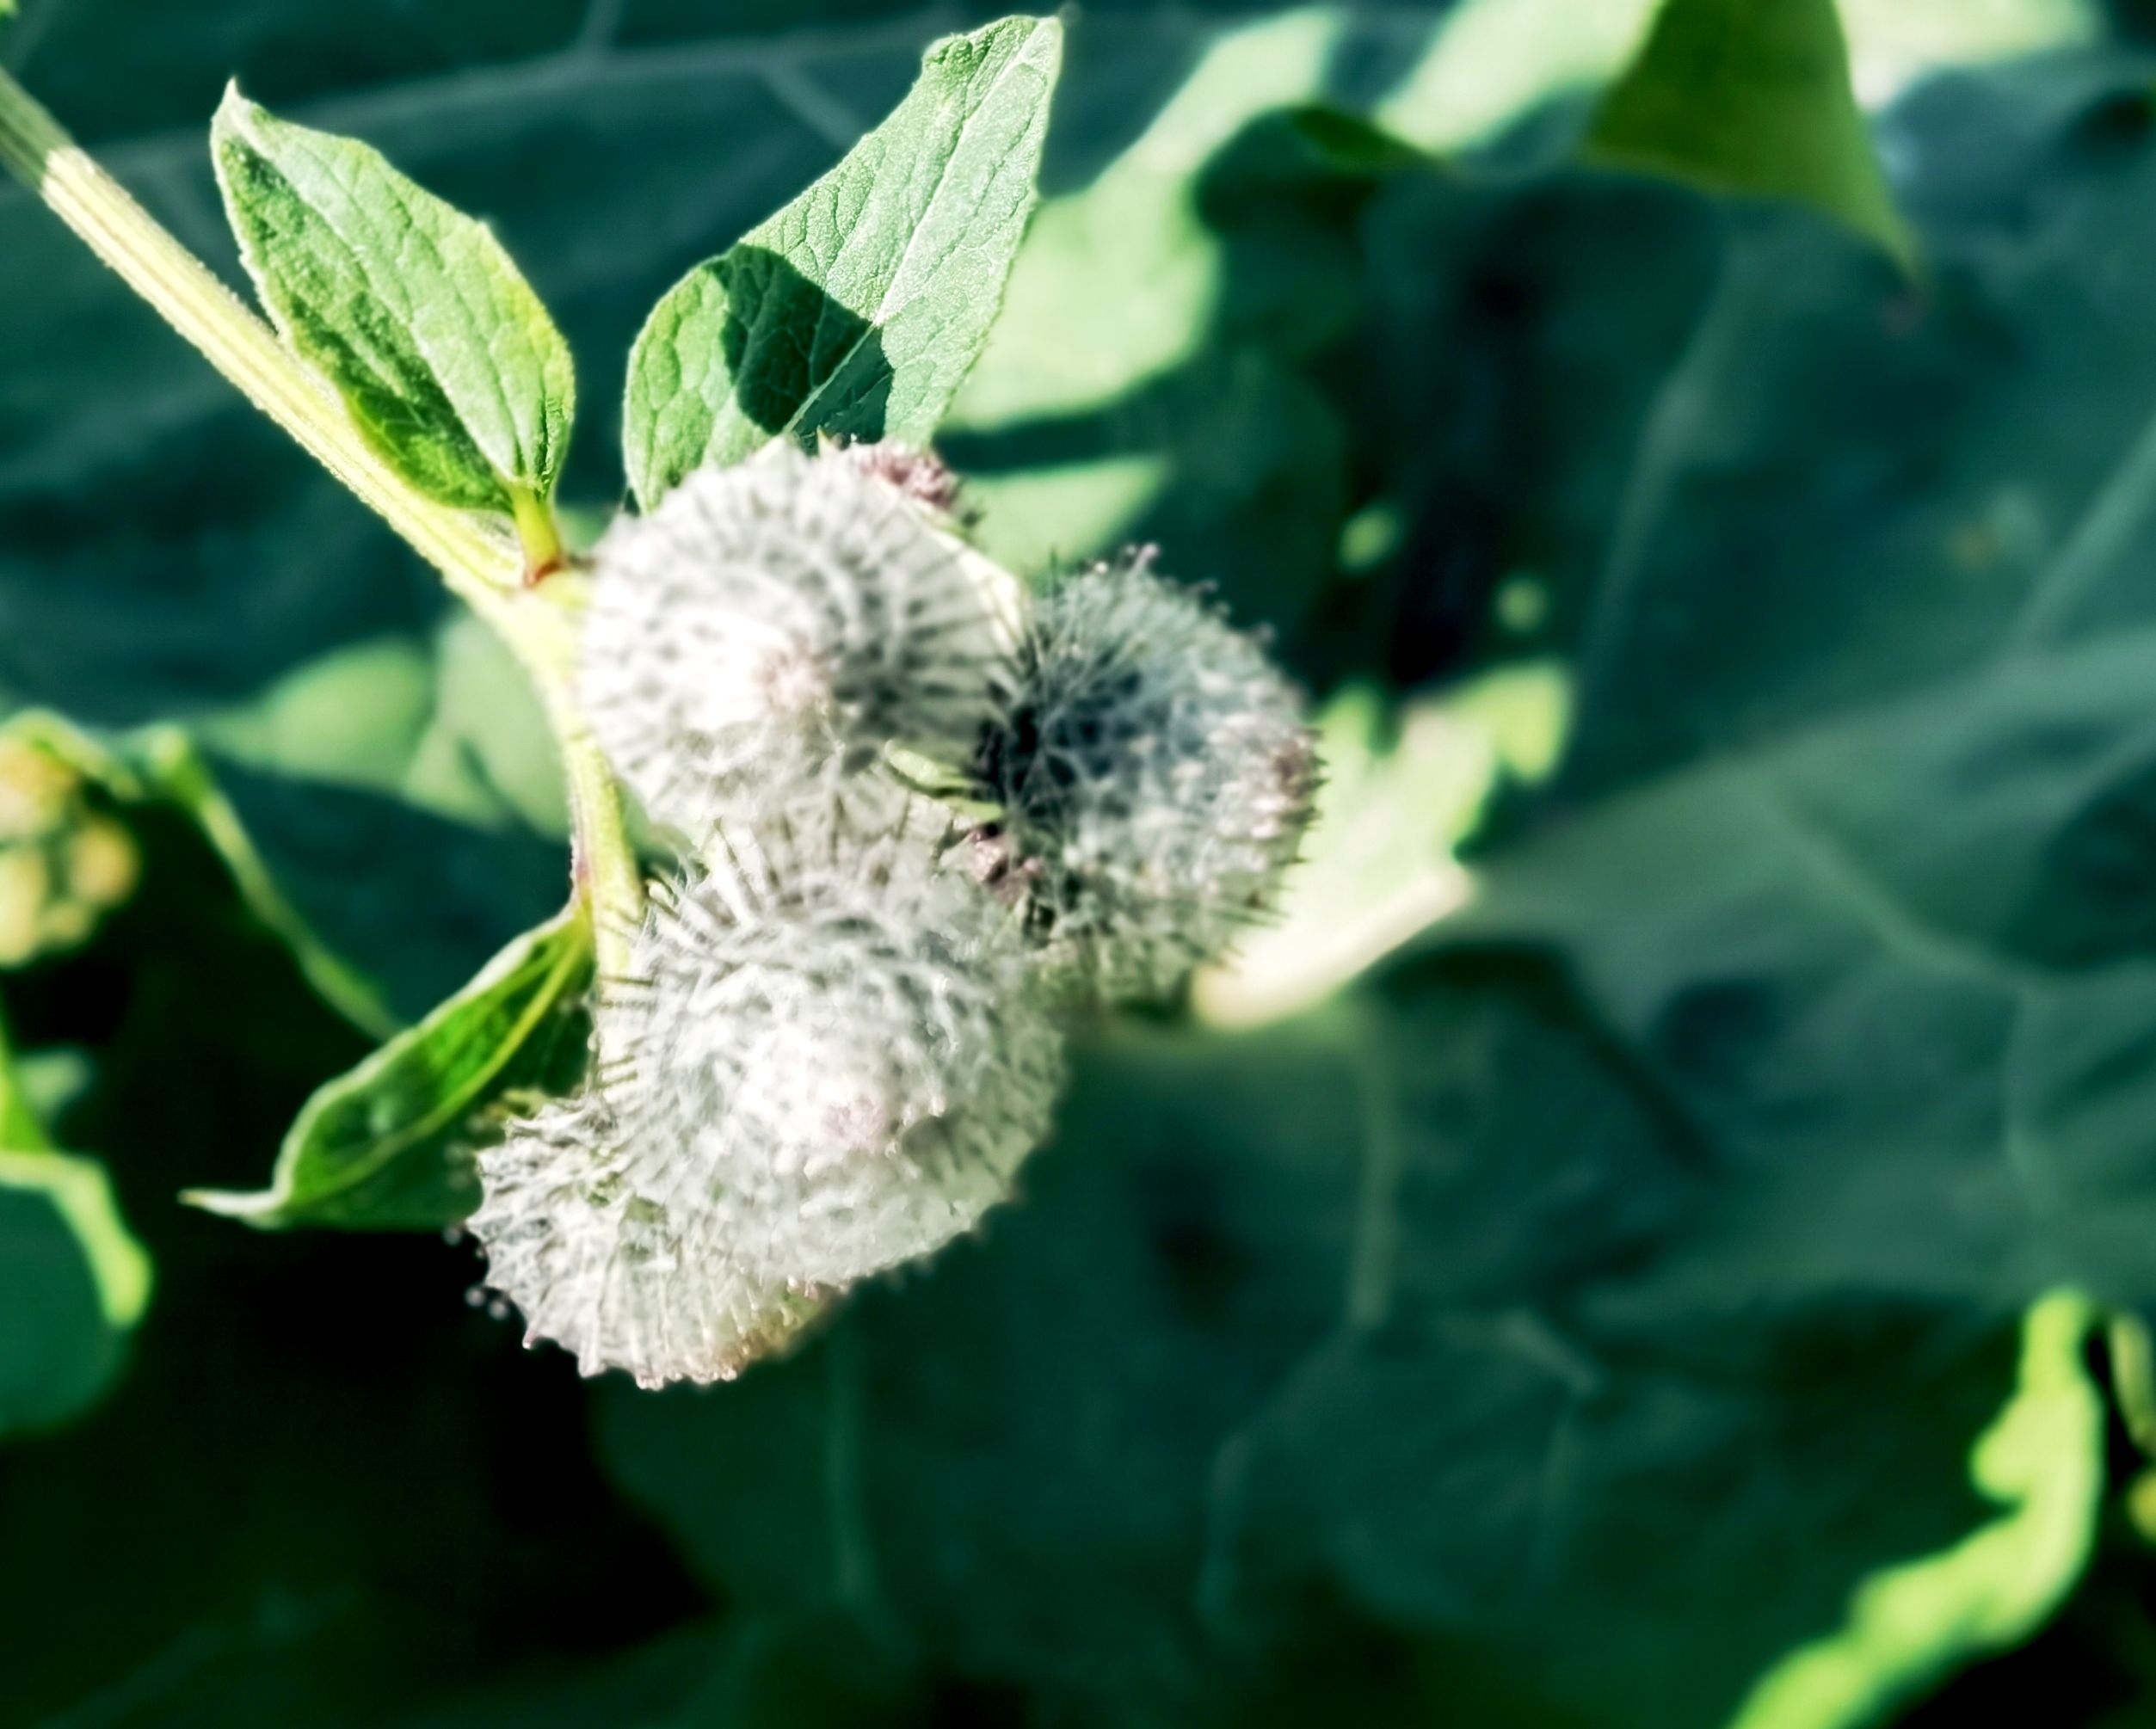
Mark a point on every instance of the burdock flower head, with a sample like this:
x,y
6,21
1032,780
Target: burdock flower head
x,y
829,1060
832,1043
774,627
1155,776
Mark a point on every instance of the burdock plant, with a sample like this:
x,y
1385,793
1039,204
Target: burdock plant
x,y
905,819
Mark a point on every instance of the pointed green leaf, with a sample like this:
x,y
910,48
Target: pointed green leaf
x,y
1753,100
860,307
389,1146
410,308
1909,1625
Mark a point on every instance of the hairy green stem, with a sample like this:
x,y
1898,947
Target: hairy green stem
x,y
487,566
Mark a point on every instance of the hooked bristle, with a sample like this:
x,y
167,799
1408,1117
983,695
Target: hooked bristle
x,y
829,1061
1157,776
610,1273
772,628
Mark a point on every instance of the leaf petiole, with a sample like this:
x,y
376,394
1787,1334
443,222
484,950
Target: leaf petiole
x,y
539,533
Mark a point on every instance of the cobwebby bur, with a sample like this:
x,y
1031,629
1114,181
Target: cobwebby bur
x,y
615,1277
772,628
1156,776
830,1060
834,1040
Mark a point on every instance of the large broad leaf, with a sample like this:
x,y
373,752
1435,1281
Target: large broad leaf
x,y
858,309
1461,1498
1340,1365
390,1146
410,308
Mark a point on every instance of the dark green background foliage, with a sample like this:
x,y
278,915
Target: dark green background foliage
x,y
1548,1330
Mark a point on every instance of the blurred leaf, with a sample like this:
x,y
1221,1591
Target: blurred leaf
x,y
73,1281
858,309
390,1146
1494,66
449,726
410,309
95,868
63,864
1421,1253
1400,796
1754,100
1895,41
387,1500
2043,1459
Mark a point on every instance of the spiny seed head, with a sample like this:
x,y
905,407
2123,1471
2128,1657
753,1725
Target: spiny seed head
x,y
848,1042
773,626
617,1276
829,1061
1155,774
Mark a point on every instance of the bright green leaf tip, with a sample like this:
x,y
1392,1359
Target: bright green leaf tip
x,y
1753,101
2043,1458
859,308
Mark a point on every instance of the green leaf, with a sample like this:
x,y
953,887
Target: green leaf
x,y
2043,1460
858,309
1753,100
390,1146
1634,1469
85,864
1437,1250
1119,286
410,309
73,1280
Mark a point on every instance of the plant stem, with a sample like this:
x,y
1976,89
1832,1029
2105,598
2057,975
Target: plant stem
x,y
482,563
604,868
537,533
35,149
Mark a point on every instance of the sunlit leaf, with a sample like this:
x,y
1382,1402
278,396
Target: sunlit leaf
x,y
390,1146
1754,100
2043,1461
858,309
410,309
